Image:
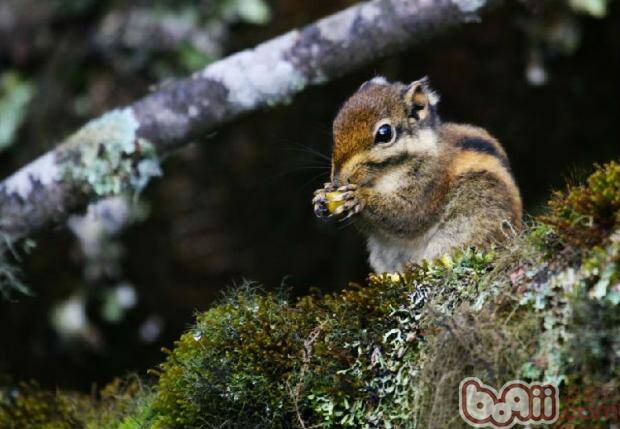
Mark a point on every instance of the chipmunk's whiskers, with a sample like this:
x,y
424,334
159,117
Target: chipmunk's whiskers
x,y
313,179
309,150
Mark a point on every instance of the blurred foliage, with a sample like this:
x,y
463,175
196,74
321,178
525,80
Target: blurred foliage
x,y
15,94
27,405
596,8
11,280
252,11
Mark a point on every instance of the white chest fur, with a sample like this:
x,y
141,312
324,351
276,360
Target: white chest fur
x,y
389,254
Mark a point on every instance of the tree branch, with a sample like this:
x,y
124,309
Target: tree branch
x,y
119,150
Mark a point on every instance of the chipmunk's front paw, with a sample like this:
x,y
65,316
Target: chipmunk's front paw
x,y
341,203
320,203
349,202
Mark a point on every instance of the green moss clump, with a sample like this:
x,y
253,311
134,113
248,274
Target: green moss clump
x,y
27,406
261,361
231,365
123,404
587,214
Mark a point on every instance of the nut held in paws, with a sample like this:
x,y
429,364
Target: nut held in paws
x,y
334,200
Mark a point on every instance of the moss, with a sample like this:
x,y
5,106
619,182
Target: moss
x,y
586,406
124,403
588,214
230,364
343,359
595,322
377,355
392,352
107,156
26,405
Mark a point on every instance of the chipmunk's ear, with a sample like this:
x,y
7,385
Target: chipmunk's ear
x,y
420,99
377,80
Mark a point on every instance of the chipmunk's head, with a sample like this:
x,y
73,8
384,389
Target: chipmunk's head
x,y
382,125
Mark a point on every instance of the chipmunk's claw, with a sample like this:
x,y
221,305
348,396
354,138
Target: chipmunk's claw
x,y
320,204
321,211
350,209
346,188
329,187
318,197
347,196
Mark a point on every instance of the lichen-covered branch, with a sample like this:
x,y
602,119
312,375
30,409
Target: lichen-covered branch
x,y
119,151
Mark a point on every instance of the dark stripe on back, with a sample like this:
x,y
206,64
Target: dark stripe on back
x,y
494,192
478,144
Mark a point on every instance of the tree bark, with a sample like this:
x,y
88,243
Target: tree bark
x,y
119,151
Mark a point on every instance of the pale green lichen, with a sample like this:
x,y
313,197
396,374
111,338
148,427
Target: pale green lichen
x,y
108,157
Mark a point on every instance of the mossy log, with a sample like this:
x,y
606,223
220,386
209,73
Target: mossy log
x,y
391,353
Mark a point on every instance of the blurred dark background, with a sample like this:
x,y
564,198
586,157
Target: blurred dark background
x,y
115,286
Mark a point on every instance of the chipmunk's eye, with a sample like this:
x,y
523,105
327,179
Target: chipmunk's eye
x,y
384,134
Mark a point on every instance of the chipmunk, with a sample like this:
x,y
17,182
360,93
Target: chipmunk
x,y
417,187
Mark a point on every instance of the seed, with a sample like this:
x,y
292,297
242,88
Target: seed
x,y
333,201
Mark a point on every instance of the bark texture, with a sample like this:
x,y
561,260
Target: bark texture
x,y
119,150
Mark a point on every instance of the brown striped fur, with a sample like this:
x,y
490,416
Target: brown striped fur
x,y
434,188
